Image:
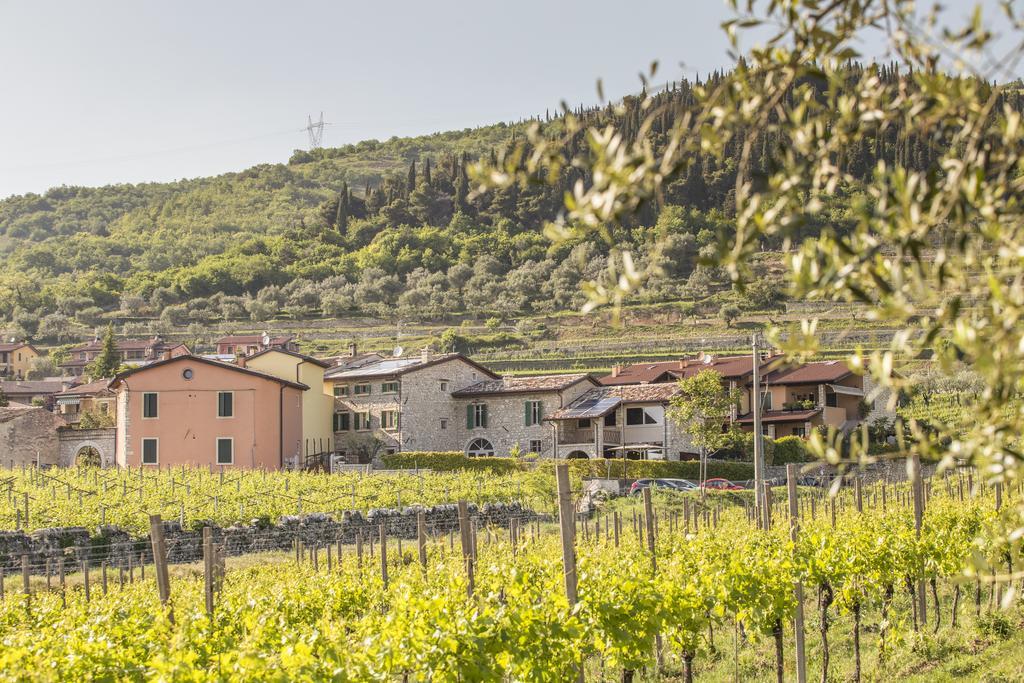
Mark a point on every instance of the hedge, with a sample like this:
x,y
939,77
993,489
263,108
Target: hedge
x,y
600,467
447,460
790,449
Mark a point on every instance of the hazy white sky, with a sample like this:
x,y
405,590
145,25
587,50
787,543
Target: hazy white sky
x,y
112,91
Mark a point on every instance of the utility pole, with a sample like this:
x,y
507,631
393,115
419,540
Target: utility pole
x,y
758,444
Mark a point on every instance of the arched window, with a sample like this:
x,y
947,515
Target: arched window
x,y
479,447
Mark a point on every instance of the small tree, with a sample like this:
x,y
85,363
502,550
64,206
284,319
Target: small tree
x,y
702,408
4,402
729,313
108,361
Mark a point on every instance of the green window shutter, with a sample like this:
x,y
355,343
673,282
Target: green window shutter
x,y
526,413
540,411
469,416
483,416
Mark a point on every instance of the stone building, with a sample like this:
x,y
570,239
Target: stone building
x,y
505,415
401,404
28,434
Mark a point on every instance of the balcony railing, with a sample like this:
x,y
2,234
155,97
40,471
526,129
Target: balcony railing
x,y
610,436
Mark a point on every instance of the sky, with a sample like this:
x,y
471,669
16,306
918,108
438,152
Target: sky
x,y
111,91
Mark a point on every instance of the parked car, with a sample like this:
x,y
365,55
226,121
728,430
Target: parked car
x,y
719,484
671,484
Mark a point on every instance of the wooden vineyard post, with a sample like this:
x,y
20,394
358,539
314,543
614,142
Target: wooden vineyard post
x,y
103,576
917,488
767,519
359,548
798,587
208,562
85,578
63,586
163,579
26,586
384,554
567,528
649,518
617,521
467,544
421,536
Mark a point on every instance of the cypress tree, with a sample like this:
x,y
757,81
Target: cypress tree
x,y
341,220
411,182
4,402
426,171
108,361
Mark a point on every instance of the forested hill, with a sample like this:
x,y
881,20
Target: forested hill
x,y
374,227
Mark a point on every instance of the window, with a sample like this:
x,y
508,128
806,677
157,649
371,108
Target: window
x,y
225,404
150,451
225,450
641,416
766,401
361,421
583,423
444,423
230,348
799,431
342,422
480,447
536,446
611,419
389,419
340,390
533,412
832,400
361,390
389,388
444,386
149,407
187,373
476,415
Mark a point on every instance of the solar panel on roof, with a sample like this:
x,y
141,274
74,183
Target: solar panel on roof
x,y
592,407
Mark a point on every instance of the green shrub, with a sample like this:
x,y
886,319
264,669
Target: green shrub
x,y
448,460
788,449
656,469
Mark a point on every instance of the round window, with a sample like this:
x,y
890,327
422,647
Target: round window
x,y
187,373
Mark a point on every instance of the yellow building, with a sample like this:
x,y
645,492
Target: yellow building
x,y
16,359
317,403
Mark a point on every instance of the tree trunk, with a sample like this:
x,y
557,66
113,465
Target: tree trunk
x,y
956,602
977,597
935,597
779,661
688,667
825,597
913,599
711,636
627,676
856,641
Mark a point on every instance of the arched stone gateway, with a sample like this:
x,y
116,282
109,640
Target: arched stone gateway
x,y
76,444
577,455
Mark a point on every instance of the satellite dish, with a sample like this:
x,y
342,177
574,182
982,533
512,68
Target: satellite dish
x,y
397,352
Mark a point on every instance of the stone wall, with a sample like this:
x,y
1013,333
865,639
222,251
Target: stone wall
x,y
28,433
118,549
73,440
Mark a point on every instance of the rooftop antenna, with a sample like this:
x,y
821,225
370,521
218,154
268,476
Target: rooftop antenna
x,y
315,129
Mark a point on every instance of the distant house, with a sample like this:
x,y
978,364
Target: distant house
x,y
16,359
189,410
133,352
502,414
94,397
612,421
317,402
28,392
248,344
401,404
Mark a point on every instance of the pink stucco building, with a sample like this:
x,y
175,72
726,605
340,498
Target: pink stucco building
x,y
195,411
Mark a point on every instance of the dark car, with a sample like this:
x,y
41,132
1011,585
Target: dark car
x,y
671,484
719,484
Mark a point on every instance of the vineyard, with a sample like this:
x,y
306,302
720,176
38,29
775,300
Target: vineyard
x,y
673,588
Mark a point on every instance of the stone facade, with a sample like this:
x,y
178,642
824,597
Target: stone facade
x,y
425,416
28,434
73,441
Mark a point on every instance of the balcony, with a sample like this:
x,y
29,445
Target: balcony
x,y
611,436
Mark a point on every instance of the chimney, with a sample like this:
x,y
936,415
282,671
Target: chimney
x,y
616,370
425,354
506,380
240,361
166,355
351,349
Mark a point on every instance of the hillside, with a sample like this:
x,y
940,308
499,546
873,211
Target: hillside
x,y
386,229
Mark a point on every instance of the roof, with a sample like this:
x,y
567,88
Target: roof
x,y
254,339
781,416
199,359
600,401
14,346
91,389
524,385
34,387
817,372
294,354
393,367
729,367
123,344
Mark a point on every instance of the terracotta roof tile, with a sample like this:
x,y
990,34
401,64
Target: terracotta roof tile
x,y
523,385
